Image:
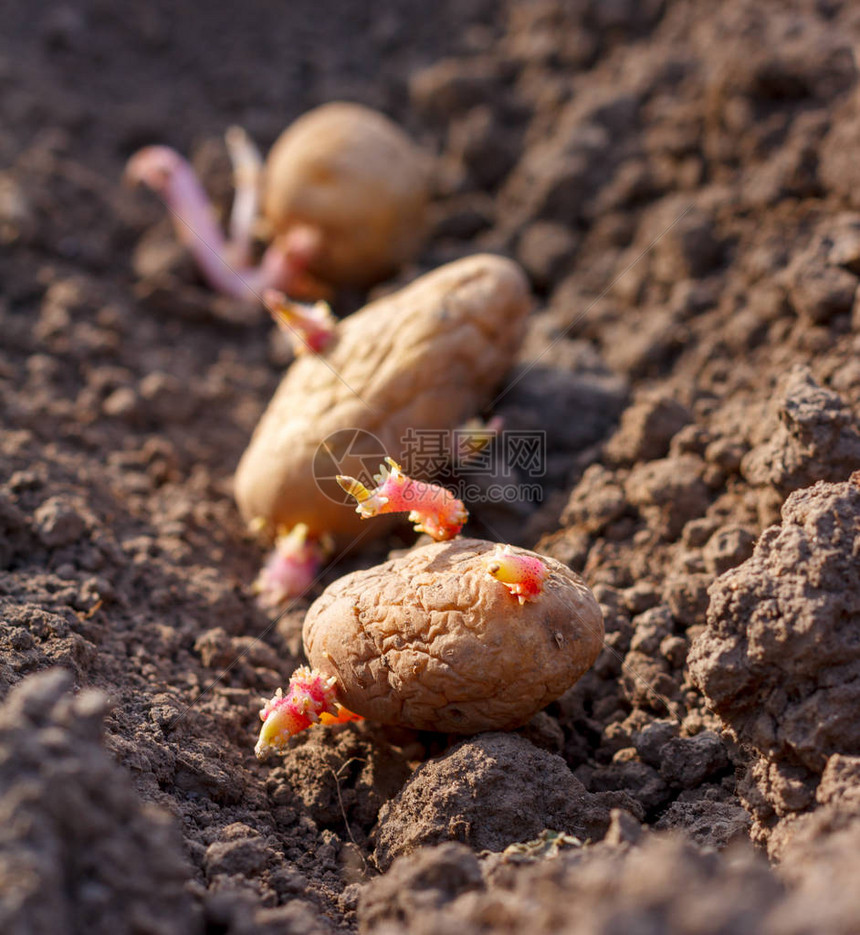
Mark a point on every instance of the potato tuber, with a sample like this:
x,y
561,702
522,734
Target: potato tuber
x,y
434,641
426,357
344,197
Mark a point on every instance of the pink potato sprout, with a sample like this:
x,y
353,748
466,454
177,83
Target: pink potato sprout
x,y
291,567
224,263
309,699
310,328
523,575
432,508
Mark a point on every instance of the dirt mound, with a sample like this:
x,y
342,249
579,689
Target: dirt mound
x,y
79,851
490,792
627,883
779,658
663,885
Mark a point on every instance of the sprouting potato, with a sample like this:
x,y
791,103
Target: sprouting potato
x,y
434,640
426,357
355,181
344,195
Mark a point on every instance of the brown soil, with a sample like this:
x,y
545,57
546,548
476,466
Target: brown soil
x,y
680,180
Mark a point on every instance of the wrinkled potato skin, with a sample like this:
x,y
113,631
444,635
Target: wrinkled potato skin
x,y
426,357
433,642
355,175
